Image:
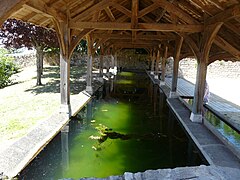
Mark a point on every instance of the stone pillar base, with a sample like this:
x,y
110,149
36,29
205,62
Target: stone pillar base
x,y
89,89
100,79
162,83
66,109
65,129
197,118
173,94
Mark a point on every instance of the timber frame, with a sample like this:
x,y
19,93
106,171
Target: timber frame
x,y
207,30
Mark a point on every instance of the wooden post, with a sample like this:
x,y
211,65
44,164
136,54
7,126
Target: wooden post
x,y
173,93
157,65
115,63
162,82
64,36
153,62
210,33
89,88
101,64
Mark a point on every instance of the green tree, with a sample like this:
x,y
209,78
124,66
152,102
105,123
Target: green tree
x,y
17,34
7,67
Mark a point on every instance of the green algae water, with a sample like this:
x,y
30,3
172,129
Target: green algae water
x,y
127,127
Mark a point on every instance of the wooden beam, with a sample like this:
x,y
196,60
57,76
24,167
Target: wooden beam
x,y
89,64
121,8
192,44
92,10
207,40
78,38
232,27
157,65
147,19
110,14
223,44
123,45
141,26
7,8
171,8
134,19
162,13
164,63
141,37
225,15
209,34
220,56
148,9
41,8
176,65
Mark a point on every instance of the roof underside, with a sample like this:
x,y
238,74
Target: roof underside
x,y
143,23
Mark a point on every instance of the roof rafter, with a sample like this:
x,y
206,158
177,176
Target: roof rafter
x,y
42,8
171,8
225,15
109,13
92,10
148,9
7,8
222,43
121,8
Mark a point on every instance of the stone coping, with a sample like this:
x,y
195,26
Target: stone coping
x,y
180,173
17,156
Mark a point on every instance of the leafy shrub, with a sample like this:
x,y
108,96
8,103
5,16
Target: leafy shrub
x,y
7,68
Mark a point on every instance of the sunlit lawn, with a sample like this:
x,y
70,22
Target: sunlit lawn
x,y
24,104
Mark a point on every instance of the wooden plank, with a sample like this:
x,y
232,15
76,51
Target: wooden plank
x,y
8,7
141,26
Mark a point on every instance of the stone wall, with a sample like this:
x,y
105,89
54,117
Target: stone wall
x,y
220,69
187,67
25,60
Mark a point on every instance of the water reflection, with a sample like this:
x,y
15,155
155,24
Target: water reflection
x,y
231,135
65,147
125,130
